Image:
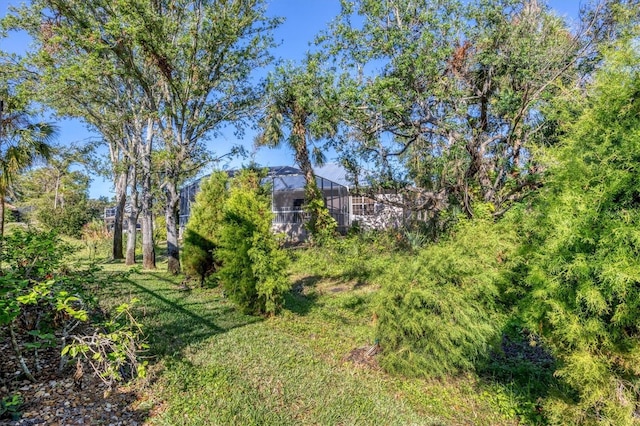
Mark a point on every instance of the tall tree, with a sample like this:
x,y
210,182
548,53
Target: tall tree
x,y
22,138
300,110
447,98
88,69
205,52
200,54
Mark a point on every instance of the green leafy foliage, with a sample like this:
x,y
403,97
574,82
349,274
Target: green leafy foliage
x,y
253,270
23,141
114,348
71,219
203,229
301,110
57,196
34,255
583,277
321,225
438,313
34,303
10,407
455,106
45,304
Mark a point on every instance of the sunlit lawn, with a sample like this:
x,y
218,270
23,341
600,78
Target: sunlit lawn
x,y
211,364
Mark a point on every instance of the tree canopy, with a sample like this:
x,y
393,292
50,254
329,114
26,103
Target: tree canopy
x,y
449,98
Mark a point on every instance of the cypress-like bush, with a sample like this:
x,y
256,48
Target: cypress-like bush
x,y
253,270
585,278
438,314
201,237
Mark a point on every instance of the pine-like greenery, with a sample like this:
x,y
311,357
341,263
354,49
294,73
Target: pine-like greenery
x,y
201,236
439,315
584,280
253,270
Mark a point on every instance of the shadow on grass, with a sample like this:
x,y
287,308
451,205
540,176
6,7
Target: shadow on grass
x,y
361,274
301,298
175,318
524,370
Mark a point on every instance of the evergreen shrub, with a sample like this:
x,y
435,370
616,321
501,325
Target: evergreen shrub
x,y
253,267
584,279
438,311
202,233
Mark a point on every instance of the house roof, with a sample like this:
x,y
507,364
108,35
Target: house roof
x,y
273,171
334,172
288,178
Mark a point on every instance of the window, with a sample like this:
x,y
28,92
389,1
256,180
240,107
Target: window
x,y
363,206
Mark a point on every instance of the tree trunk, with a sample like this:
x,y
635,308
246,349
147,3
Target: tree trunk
x,y
131,239
55,198
1,229
319,216
302,153
148,245
121,199
173,253
132,218
2,214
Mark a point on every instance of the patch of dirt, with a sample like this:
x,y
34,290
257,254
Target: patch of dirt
x,y
59,399
364,357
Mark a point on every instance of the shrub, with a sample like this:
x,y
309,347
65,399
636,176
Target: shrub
x,y
438,312
70,219
321,225
96,238
112,349
44,302
584,295
253,266
32,255
201,236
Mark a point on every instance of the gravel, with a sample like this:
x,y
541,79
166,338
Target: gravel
x,y
58,399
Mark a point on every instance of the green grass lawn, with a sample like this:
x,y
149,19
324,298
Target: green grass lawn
x,y
210,364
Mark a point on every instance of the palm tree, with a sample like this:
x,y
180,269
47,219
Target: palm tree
x,y
22,142
297,113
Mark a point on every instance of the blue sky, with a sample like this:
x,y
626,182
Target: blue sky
x,y
304,19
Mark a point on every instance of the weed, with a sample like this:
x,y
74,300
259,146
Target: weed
x,y
10,407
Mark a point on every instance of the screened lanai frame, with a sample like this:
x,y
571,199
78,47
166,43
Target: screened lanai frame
x,y
287,198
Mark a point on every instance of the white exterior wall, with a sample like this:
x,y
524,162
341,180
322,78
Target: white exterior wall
x,y
385,214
